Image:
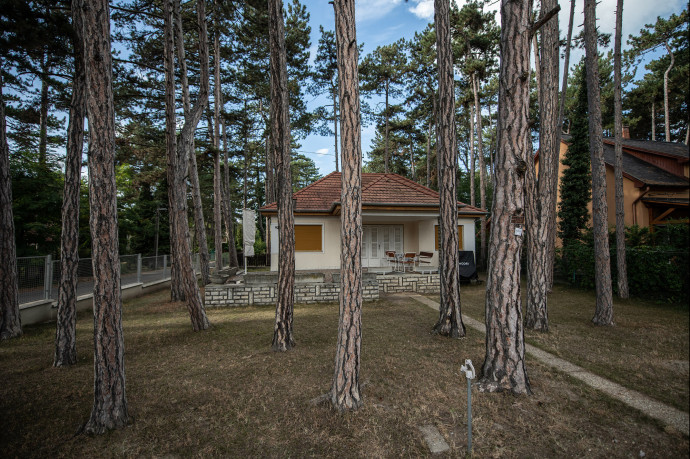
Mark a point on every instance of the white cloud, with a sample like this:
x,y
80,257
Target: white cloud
x,y
322,151
368,10
424,9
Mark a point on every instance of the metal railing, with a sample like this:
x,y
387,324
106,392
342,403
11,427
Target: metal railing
x,y
39,277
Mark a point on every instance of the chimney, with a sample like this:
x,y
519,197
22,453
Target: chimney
x,y
626,131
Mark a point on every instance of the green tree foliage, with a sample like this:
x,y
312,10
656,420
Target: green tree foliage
x,y
382,73
304,171
576,183
649,90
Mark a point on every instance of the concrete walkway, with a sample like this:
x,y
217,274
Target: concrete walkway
x,y
665,414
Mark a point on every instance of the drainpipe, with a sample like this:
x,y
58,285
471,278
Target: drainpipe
x,y
634,204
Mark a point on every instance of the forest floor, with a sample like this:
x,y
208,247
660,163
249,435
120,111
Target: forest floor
x,y
223,392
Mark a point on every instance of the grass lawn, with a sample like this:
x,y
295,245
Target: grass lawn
x,y
647,350
223,392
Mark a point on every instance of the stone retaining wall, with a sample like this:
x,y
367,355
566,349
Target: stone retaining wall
x,y
244,295
318,292
420,283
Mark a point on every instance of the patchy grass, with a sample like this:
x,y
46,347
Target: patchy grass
x,y
647,349
223,392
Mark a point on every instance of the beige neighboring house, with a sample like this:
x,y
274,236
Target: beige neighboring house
x,y
398,215
656,183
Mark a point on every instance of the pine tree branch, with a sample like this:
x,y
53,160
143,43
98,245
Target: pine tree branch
x,y
543,20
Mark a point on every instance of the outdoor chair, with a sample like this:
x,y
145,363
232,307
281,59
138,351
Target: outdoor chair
x,y
409,259
392,259
424,258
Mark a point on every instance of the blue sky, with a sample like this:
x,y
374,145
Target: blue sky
x,y
381,22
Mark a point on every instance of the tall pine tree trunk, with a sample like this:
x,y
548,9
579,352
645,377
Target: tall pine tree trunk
x,y
504,364
387,149
227,204
541,193
473,199
186,142
217,192
667,117
653,119
450,317
482,172
43,117
10,320
110,401
345,390
283,339
603,314
65,334
178,163
566,70
335,124
428,154
618,169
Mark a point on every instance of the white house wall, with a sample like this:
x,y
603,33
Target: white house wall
x,y
418,236
328,258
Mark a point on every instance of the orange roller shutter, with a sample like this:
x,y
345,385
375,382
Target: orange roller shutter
x,y
308,238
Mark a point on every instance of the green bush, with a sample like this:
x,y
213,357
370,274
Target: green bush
x,y
659,271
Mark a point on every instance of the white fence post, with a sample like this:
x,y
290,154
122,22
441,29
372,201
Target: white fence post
x,y
47,276
165,263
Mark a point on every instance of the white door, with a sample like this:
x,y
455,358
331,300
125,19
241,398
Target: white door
x,y
377,239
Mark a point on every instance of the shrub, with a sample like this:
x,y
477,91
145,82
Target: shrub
x,y
659,272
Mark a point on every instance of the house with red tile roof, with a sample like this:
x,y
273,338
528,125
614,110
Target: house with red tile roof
x,y
398,215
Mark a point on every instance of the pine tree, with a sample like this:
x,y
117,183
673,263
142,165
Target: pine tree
x,y
576,181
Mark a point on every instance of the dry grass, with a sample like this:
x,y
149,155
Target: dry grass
x,y
224,393
647,350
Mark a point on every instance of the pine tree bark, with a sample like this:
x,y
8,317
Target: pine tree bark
x,y
428,154
10,320
653,120
667,117
387,149
473,199
217,192
504,364
482,172
186,143
566,70
541,193
65,334
345,390
335,125
43,117
618,167
283,339
178,163
450,317
227,204
603,314
110,401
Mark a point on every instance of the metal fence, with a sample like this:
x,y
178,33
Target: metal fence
x,y
39,276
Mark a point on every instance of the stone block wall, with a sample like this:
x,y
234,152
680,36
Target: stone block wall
x,y
244,295
420,283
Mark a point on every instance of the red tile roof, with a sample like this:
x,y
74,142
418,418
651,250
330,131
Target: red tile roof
x,y
391,190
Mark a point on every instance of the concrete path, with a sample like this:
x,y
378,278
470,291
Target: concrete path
x,y
667,415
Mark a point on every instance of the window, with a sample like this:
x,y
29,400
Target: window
x,y
437,237
308,238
